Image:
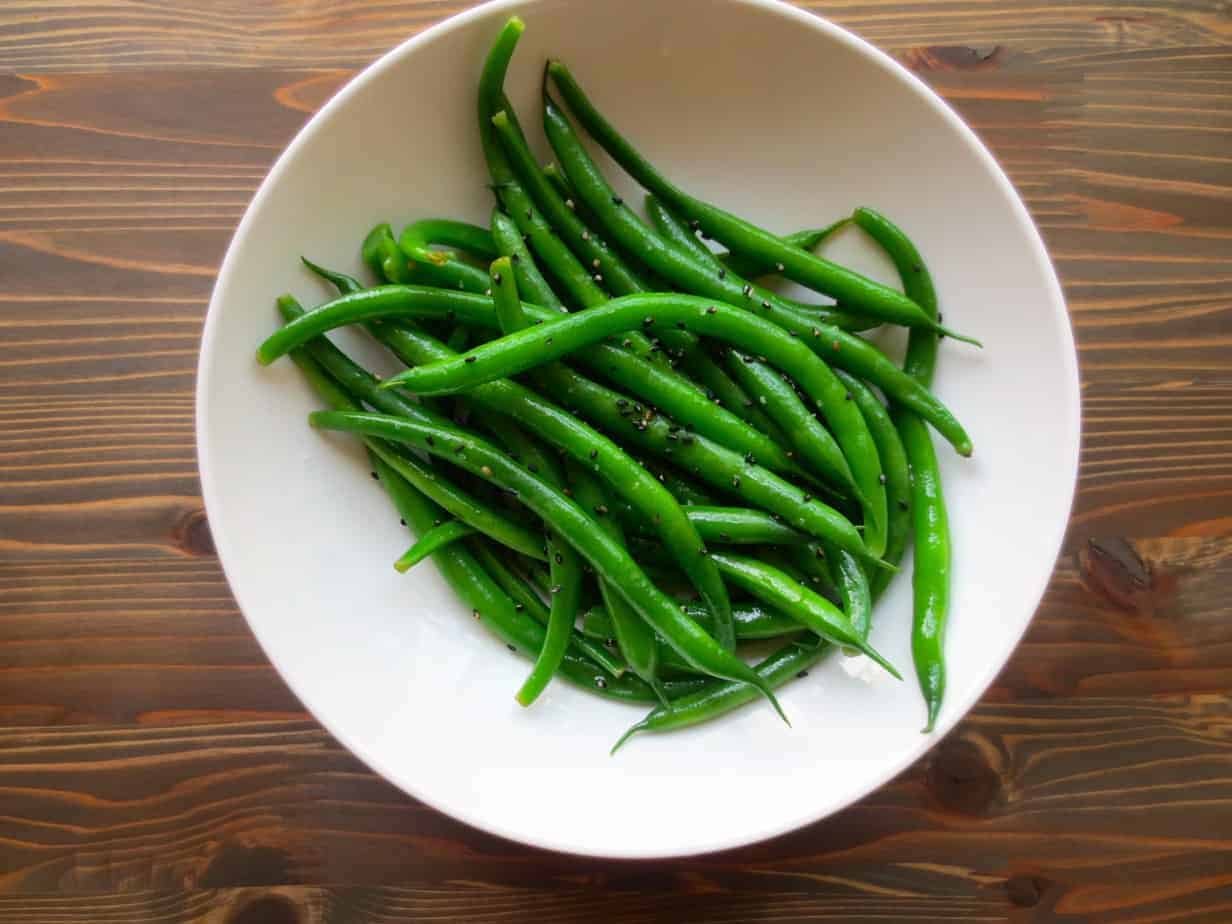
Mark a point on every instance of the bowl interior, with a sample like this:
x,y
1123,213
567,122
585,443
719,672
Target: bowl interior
x,y
777,116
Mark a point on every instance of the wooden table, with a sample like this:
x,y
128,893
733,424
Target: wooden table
x,y
153,767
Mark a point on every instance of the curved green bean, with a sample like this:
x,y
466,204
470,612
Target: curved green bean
x,y
431,541
510,193
898,477
635,639
508,240
930,577
417,239
777,589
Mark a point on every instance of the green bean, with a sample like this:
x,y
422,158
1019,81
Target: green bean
x,y
633,636
435,538
930,577
777,589
509,313
417,239
807,239
381,253
728,526
509,242
510,193
526,349
566,590
852,583
526,601
609,268
794,659
898,477
753,622
607,557
857,292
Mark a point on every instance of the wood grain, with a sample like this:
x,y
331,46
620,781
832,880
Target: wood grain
x,y
154,768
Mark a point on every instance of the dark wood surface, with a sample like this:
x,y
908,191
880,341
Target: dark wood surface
x,y
154,768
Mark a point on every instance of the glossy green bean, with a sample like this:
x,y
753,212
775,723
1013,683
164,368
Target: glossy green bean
x,y
730,526
852,289
514,199
417,239
531,282
753,622
431,541
527,349
794,659
806,239
607,557
605,264
930,577
779,590
851,580
634,637
898,477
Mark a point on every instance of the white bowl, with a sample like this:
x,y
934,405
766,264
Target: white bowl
x,y
777,115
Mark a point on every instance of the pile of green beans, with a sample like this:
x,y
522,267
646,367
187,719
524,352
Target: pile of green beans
x,y
647,461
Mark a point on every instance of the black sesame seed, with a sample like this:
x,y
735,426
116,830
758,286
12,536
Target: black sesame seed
x,y
601,509
594,453
735,481
765,305
519,607
779,267
610,642
469,359
802,674
475,613
725,537
647,321
882,478
903,505
600,683
511,648
849,396
375,476
723,273
554,589
548,341
496,278
616,200
436,522
402,522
